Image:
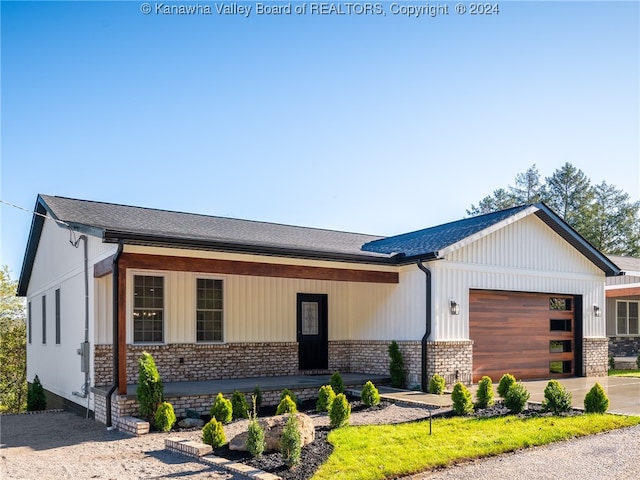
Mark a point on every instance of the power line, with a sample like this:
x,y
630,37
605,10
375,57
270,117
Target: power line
x,y
34,213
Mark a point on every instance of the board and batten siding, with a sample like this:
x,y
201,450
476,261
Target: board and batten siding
x,y
58,265
525,256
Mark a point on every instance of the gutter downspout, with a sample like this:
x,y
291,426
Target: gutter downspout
x,y
428,319
84,349
115,350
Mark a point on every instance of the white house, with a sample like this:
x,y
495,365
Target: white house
x,y
513,291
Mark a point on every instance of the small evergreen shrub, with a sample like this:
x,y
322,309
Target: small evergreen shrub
x,y
505,384
213,434
36,398
612,363
396,366
150,389
517,397
257,392
596,400
239,406
370,395
336,383
291,395
339,412
286,405
556,398
326,395
436,385
484,394
222,410
291,442
165,417
461,397
638,361
255,436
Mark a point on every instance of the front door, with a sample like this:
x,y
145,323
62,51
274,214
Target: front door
x,y
312,323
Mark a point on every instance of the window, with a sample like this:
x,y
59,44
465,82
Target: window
x,y
560,367
557,303
627,317
58,317
559,325
209,310
29,320
559,346
148,309
44,319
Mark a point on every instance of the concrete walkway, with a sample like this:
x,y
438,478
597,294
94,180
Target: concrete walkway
x,y
623,393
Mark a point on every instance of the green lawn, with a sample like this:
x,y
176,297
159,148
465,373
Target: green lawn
x,y
383,451
624,373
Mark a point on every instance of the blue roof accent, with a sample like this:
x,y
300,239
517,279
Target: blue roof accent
x,y
429,241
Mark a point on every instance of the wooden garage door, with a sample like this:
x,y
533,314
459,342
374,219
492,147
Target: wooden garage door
x,y
529,335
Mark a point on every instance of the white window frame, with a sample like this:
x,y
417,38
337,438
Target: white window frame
x,y
626,333
195,307
131,296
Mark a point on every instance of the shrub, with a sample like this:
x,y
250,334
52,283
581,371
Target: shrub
x,y
291,442
505,384
484,394
612,363
339,412
165,417
36,399
596,400
150,389
292,396
258,394
336,383
396,367
461,397
239,406
325,397
213,434
255,436
556,398
436,385
370,395
221,410
286,405
638,361
517,397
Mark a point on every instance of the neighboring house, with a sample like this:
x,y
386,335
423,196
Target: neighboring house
x,y
623,305
513,291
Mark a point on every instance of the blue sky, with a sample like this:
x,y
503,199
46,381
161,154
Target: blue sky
x,y
378,124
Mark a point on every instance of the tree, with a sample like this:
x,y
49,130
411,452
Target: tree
x,y
602,214
13,346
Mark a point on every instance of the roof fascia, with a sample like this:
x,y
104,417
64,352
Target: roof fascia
x,y
229,247
563,229
487,231
37,223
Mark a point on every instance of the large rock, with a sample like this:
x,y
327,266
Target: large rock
x,y
273,427
191,423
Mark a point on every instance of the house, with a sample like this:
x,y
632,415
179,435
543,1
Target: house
x,y
213,298
622,307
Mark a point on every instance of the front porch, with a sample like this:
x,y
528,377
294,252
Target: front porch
x,y
199,395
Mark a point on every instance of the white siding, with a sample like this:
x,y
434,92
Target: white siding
x,y
526,256
58,264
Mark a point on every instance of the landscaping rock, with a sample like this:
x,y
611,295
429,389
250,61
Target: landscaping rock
x,y
191,423
273,427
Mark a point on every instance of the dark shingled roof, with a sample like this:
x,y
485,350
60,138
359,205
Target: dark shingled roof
x,y
429,241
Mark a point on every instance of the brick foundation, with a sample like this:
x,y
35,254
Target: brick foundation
x,y
624,346
595,353
452,360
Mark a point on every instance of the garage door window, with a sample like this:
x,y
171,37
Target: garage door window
x,y
559,325
560,366
562,304
559,346
627,317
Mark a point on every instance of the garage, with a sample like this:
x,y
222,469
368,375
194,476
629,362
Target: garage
x,y
530,335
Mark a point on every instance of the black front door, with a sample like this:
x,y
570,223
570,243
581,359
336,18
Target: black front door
x,y
312,323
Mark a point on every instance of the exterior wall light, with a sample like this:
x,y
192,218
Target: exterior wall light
x,y
454,307
596,311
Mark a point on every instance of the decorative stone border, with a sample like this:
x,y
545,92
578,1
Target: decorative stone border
x,y
33,412
201,451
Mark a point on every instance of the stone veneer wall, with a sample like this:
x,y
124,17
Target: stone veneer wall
x,y
452,360
624,346
180,362
595,357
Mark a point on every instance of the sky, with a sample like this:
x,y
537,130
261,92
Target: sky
x,y
347,116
